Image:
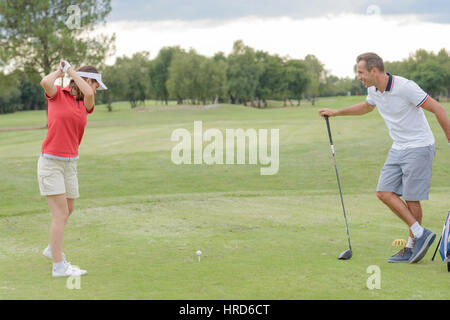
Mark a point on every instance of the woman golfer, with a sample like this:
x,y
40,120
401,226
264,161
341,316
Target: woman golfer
x,y
57,166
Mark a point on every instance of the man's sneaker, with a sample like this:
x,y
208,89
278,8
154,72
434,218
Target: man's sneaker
x,y
68,271
401,256
421,245
48,253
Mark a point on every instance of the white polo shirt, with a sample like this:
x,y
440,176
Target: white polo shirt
x,y
400,106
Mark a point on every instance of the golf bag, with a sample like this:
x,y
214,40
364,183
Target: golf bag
x,y
444,248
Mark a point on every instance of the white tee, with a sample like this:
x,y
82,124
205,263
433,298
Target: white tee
x,y
400,106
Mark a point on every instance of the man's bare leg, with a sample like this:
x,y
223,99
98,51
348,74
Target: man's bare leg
x,y
416,210
397,206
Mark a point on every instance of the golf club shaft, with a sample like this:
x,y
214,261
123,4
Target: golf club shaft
x,y
432,259
338,180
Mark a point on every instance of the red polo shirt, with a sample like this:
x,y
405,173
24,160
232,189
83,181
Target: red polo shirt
x,y
66,122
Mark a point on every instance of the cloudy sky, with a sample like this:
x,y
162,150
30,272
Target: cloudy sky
x,y
335,31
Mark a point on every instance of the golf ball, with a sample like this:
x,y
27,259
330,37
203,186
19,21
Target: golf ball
x,y
199,252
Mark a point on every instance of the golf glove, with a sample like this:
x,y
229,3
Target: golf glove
x,y
64,65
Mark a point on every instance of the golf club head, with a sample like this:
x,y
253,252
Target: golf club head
x,y
347,254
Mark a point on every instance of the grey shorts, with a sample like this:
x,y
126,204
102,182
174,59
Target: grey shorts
x,y
408,173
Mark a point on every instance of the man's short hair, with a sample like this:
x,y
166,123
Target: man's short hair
x,y
372,60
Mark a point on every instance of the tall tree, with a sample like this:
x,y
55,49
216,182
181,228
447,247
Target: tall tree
x,y
37,34
212,79
243,73
317,76
271,79
31,97
134,82
431,77
430,71
117,81
185,76
297,78
9,93
443,57
159,72
220,60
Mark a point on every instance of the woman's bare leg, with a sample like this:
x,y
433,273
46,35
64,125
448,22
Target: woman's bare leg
x,y
70,205
60,213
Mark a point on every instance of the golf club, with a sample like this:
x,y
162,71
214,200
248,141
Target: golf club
x,y
347,254
432,259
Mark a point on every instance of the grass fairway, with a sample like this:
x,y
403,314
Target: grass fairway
x,y
141,218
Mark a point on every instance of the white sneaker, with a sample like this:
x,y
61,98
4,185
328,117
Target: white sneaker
x,y
48,253
68,271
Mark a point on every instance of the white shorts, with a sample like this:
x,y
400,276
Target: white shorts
x,y
58,177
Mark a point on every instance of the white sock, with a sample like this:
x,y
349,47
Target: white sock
x,y
59,265
410,243
417,230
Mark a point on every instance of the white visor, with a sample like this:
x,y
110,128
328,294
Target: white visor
x,y
95,76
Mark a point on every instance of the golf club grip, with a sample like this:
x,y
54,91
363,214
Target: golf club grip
x,y
329,130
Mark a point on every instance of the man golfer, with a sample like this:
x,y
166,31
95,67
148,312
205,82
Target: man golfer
x,y
57,166
408,168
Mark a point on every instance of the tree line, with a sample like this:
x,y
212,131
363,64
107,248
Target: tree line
x,y
34,37
251,77
246,76
429,70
